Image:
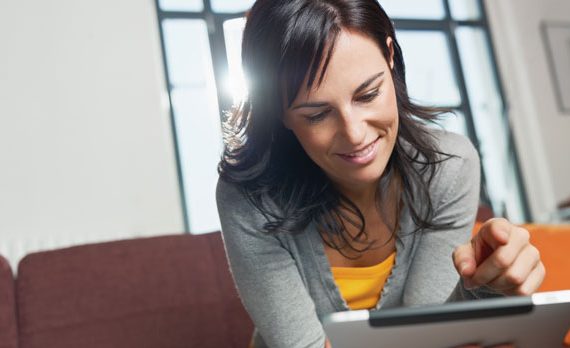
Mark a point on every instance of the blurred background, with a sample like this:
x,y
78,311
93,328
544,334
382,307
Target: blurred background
x,y
110,111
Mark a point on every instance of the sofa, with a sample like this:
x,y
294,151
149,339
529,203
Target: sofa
x,y
170,291
8,320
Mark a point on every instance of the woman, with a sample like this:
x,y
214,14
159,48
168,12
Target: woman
x,y
333,193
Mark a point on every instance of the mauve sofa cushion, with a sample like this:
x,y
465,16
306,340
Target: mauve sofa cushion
x,y
173,291
8,327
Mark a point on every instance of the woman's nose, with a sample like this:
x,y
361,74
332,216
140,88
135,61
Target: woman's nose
x,y
353,127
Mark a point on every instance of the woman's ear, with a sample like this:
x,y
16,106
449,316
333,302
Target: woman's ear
x,y
390,45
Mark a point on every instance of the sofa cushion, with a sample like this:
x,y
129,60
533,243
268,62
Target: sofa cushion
x,y
173,291
8,326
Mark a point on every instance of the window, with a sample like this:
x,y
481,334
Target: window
x,y
449,62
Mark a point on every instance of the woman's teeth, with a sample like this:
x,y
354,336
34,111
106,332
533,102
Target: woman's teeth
x,y
362,152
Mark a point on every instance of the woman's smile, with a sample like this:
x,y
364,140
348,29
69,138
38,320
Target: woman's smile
x,y
363,156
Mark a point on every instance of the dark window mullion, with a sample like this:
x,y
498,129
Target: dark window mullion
x,y
469,23
498,81
433,24
180,15
198,15
461,83
460,77
419,24
219,56
183,201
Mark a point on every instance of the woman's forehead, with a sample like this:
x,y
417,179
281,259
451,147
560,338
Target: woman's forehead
x,y
355,58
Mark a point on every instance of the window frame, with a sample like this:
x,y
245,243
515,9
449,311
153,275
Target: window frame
x,y
446,25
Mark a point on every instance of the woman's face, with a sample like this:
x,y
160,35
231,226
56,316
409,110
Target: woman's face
x,y
348,125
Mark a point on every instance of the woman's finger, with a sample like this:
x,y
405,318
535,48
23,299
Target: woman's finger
x,y
501,259
464,260
532,282
519,271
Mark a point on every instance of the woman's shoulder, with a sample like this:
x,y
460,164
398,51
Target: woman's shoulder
x,y
226,190
459,169
232,199
457,154
234,204
456,145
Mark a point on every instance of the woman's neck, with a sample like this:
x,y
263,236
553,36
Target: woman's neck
x,y
382,195
364,195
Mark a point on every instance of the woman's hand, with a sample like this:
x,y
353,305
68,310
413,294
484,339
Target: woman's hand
x,y
501,257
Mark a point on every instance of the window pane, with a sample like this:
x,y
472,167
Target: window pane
x,y
181,5
183,39
424,9
454,123
464,9
231,5
429,73
514,202
200,147
490,122
196,115
451,122
233,32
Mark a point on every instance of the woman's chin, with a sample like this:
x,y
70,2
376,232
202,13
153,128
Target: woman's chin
x,y
360,181
358,178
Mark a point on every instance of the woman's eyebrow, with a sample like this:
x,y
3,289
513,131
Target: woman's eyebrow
x,y
309,105
367,83
359,89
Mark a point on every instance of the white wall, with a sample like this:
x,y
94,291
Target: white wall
x,y
86,150
542,132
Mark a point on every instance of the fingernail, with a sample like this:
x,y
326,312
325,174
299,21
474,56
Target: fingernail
x,y
468,284
462,267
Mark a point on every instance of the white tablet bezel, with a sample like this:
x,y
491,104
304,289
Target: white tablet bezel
x,y
537,321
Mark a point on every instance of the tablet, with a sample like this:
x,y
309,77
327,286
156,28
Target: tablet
x,y
537,321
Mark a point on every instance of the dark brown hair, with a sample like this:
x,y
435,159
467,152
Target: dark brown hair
x,y
284,41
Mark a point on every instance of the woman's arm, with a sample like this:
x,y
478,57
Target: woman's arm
x,y
455,195
266,276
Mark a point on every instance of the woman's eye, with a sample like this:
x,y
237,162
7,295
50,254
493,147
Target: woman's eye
x,y
317,117
369,96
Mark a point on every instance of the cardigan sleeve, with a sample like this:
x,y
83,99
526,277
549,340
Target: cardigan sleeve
x,y
455,193
266,276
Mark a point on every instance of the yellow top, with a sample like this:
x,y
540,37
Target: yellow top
x,y
361,286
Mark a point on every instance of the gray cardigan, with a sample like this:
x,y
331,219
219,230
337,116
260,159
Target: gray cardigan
x,y
285,281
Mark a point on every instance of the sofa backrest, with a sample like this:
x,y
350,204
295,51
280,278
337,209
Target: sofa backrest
x,y
172,291
8,327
